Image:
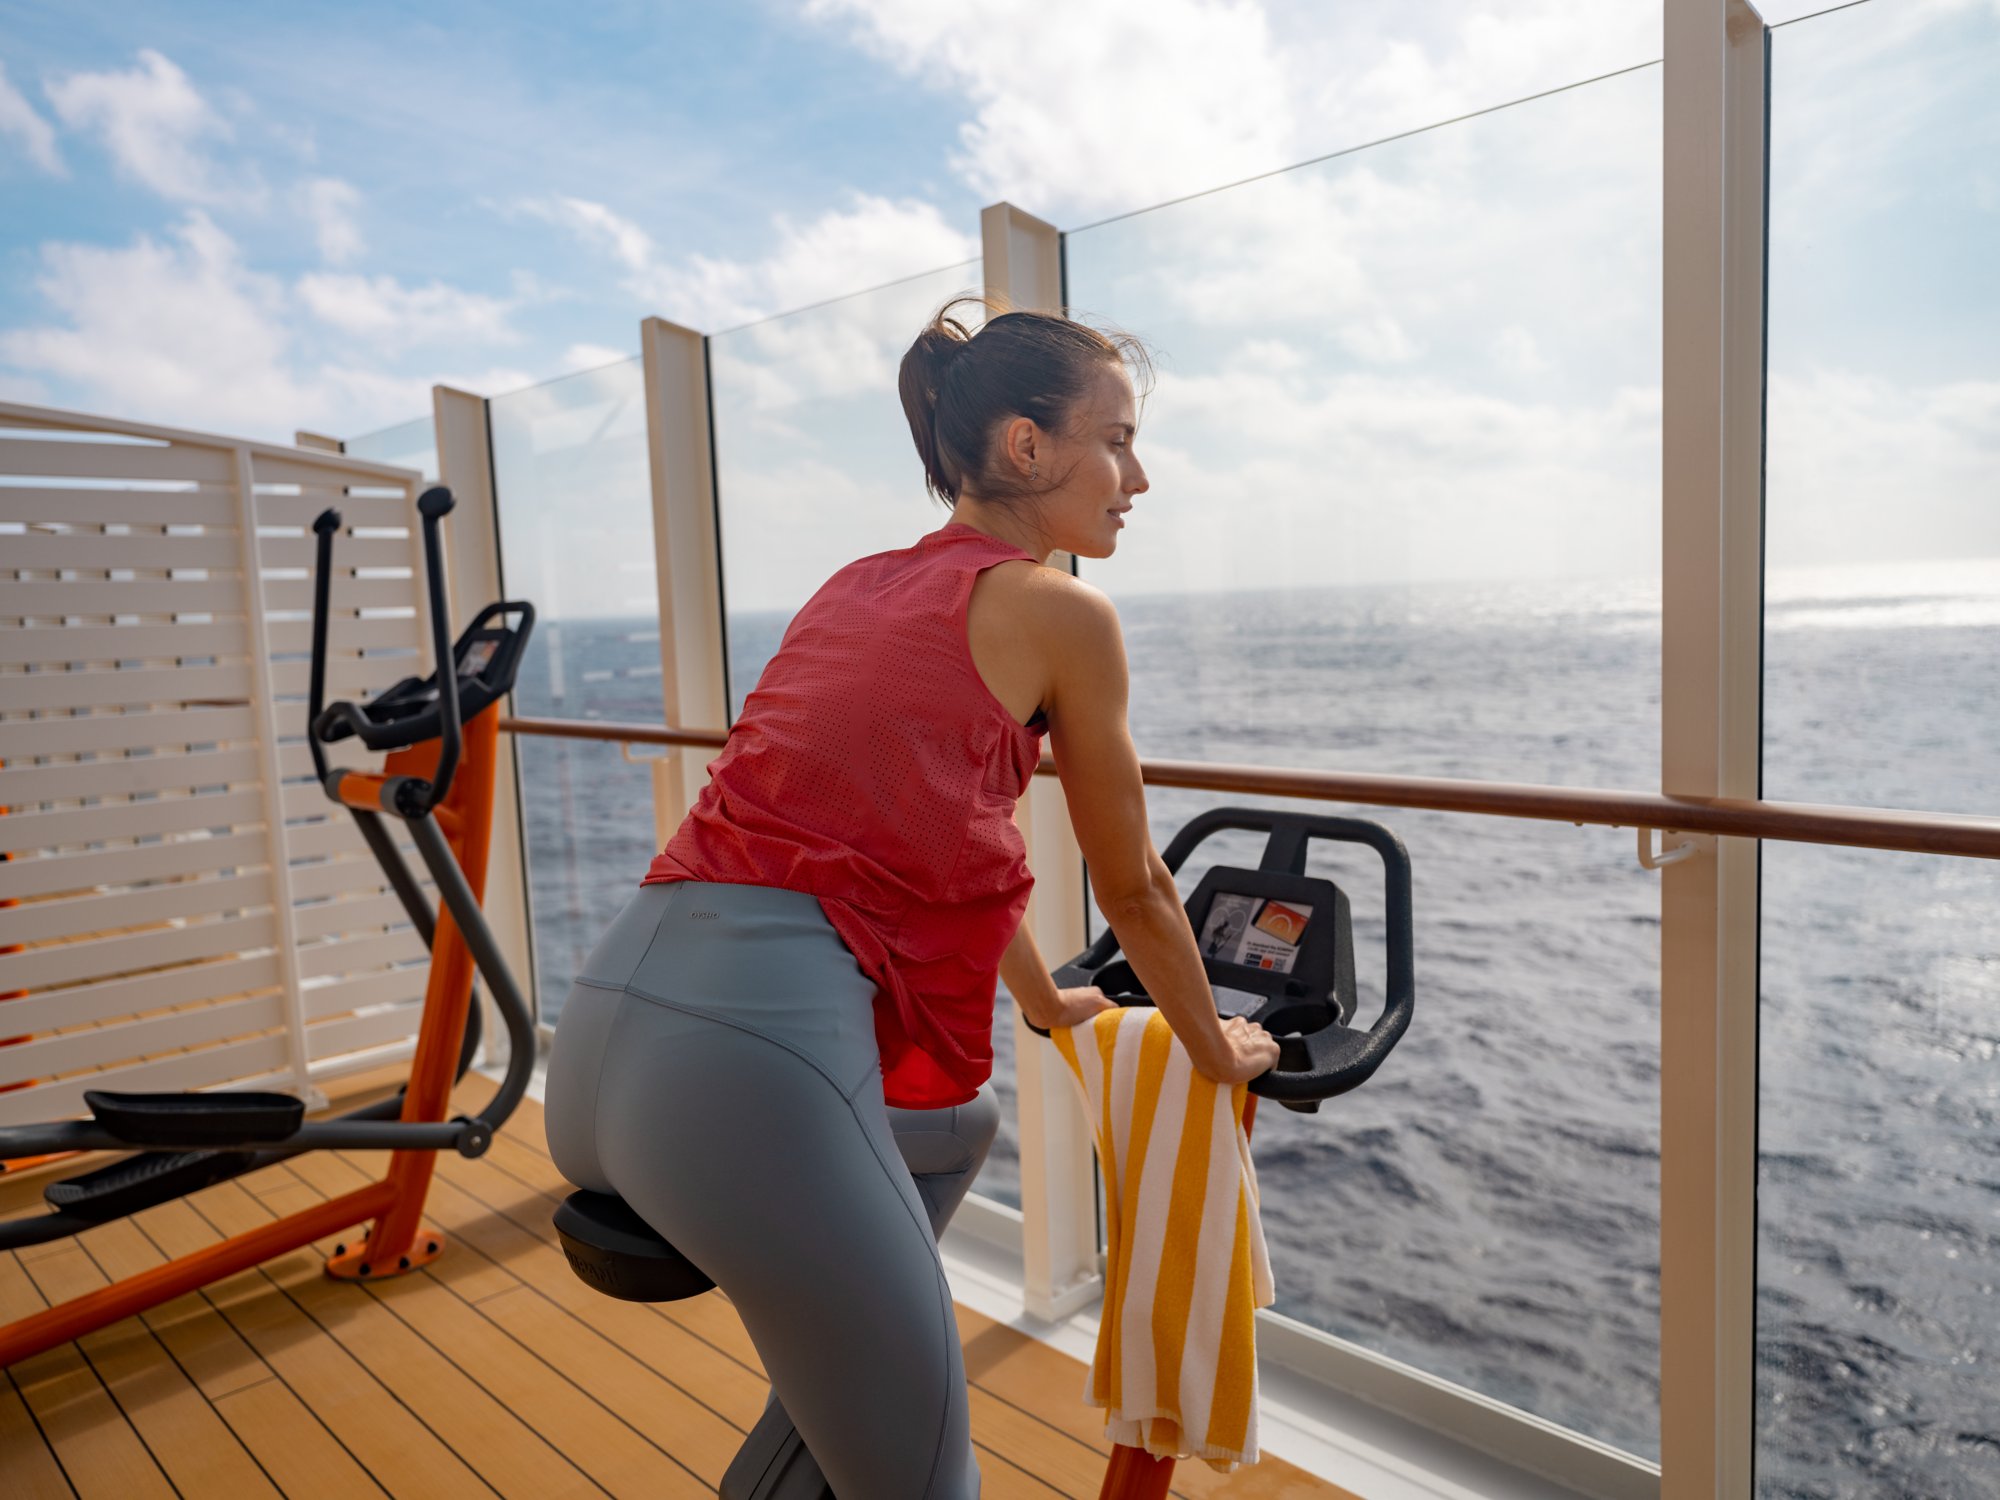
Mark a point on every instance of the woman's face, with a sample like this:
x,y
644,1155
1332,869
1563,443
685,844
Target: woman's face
x,y
1093,461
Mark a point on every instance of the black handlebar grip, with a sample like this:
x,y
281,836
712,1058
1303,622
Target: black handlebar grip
x,y
325,524
434,505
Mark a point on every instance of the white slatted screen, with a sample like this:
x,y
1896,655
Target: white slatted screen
x,y
180,906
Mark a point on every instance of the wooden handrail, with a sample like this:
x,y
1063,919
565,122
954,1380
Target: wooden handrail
x,y
1791,822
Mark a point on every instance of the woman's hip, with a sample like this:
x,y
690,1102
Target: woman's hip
x,y
756,958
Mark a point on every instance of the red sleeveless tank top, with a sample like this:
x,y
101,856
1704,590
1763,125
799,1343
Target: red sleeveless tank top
x,y
873,768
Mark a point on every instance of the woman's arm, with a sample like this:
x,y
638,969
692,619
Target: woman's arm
x,y
1027,977
1099,770
1034,990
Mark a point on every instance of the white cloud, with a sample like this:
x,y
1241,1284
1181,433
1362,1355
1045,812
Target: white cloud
x,y
592,356
1093,104
623,240
1359,83
331,204
1363,477
1088,107
1516,352
383,310
179,330
362,397
1848,450
19,120
157,127
870,241
21,388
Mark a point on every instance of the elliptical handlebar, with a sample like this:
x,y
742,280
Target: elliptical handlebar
x,y
434,505
325,524
422,796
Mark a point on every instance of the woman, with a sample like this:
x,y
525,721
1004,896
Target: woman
x,y
779,1053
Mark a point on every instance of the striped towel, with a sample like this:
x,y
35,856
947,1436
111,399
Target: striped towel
x,y
1186,1269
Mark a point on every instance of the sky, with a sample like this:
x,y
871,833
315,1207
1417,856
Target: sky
x,y
1415,361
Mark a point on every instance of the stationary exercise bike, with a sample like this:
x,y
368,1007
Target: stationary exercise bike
x,y
1278,947
440,735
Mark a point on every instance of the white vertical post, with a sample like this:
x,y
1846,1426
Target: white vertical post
x,y
1023,261
473,574
687,555
278,850
1712,571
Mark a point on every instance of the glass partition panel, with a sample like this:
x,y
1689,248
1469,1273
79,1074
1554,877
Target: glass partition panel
x,y
1405,449
1878,1187
571,481
814,464
1878,1326
1882,514
1404,516
408,445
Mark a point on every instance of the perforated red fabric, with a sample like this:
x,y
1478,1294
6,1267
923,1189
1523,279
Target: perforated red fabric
x,y
873,768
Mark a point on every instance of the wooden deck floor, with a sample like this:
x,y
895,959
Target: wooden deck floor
x,y
493,1372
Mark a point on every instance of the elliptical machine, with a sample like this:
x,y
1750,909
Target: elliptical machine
x,y
440,736
1278,947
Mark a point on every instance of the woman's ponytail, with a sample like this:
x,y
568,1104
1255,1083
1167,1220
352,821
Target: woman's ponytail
x,y
937,349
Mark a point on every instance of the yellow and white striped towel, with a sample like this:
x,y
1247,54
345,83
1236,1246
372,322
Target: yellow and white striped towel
x,y
1186,1269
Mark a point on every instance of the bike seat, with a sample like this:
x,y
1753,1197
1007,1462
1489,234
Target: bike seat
x,y
614,1250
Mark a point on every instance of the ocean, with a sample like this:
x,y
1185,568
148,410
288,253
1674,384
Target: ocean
x,y
1487,1207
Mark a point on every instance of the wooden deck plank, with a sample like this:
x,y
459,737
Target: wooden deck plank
x,y
699,1337
697,1401
200,1338
502,1186
398,1451
577,1386
615,1455
527,1245
304,1459
100,1452
511,1456
186,1437
998,1431
28,1469
294,1447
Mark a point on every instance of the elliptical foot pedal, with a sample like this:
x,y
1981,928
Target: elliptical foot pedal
x,y
184,1119
141,1181
774,1463
614,1250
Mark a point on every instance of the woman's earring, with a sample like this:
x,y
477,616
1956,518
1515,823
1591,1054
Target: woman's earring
x,y
1034,472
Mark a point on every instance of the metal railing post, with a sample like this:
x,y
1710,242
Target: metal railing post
x,y
1023,261
1711,681
687,554
474,558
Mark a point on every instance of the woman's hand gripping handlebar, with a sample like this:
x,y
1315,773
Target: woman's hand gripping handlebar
x,y
1247,1049
1253,1052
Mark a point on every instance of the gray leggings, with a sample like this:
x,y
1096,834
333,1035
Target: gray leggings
x,y
715,1065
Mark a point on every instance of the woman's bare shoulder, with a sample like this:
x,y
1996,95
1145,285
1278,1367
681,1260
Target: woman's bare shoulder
x,y
1041,599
